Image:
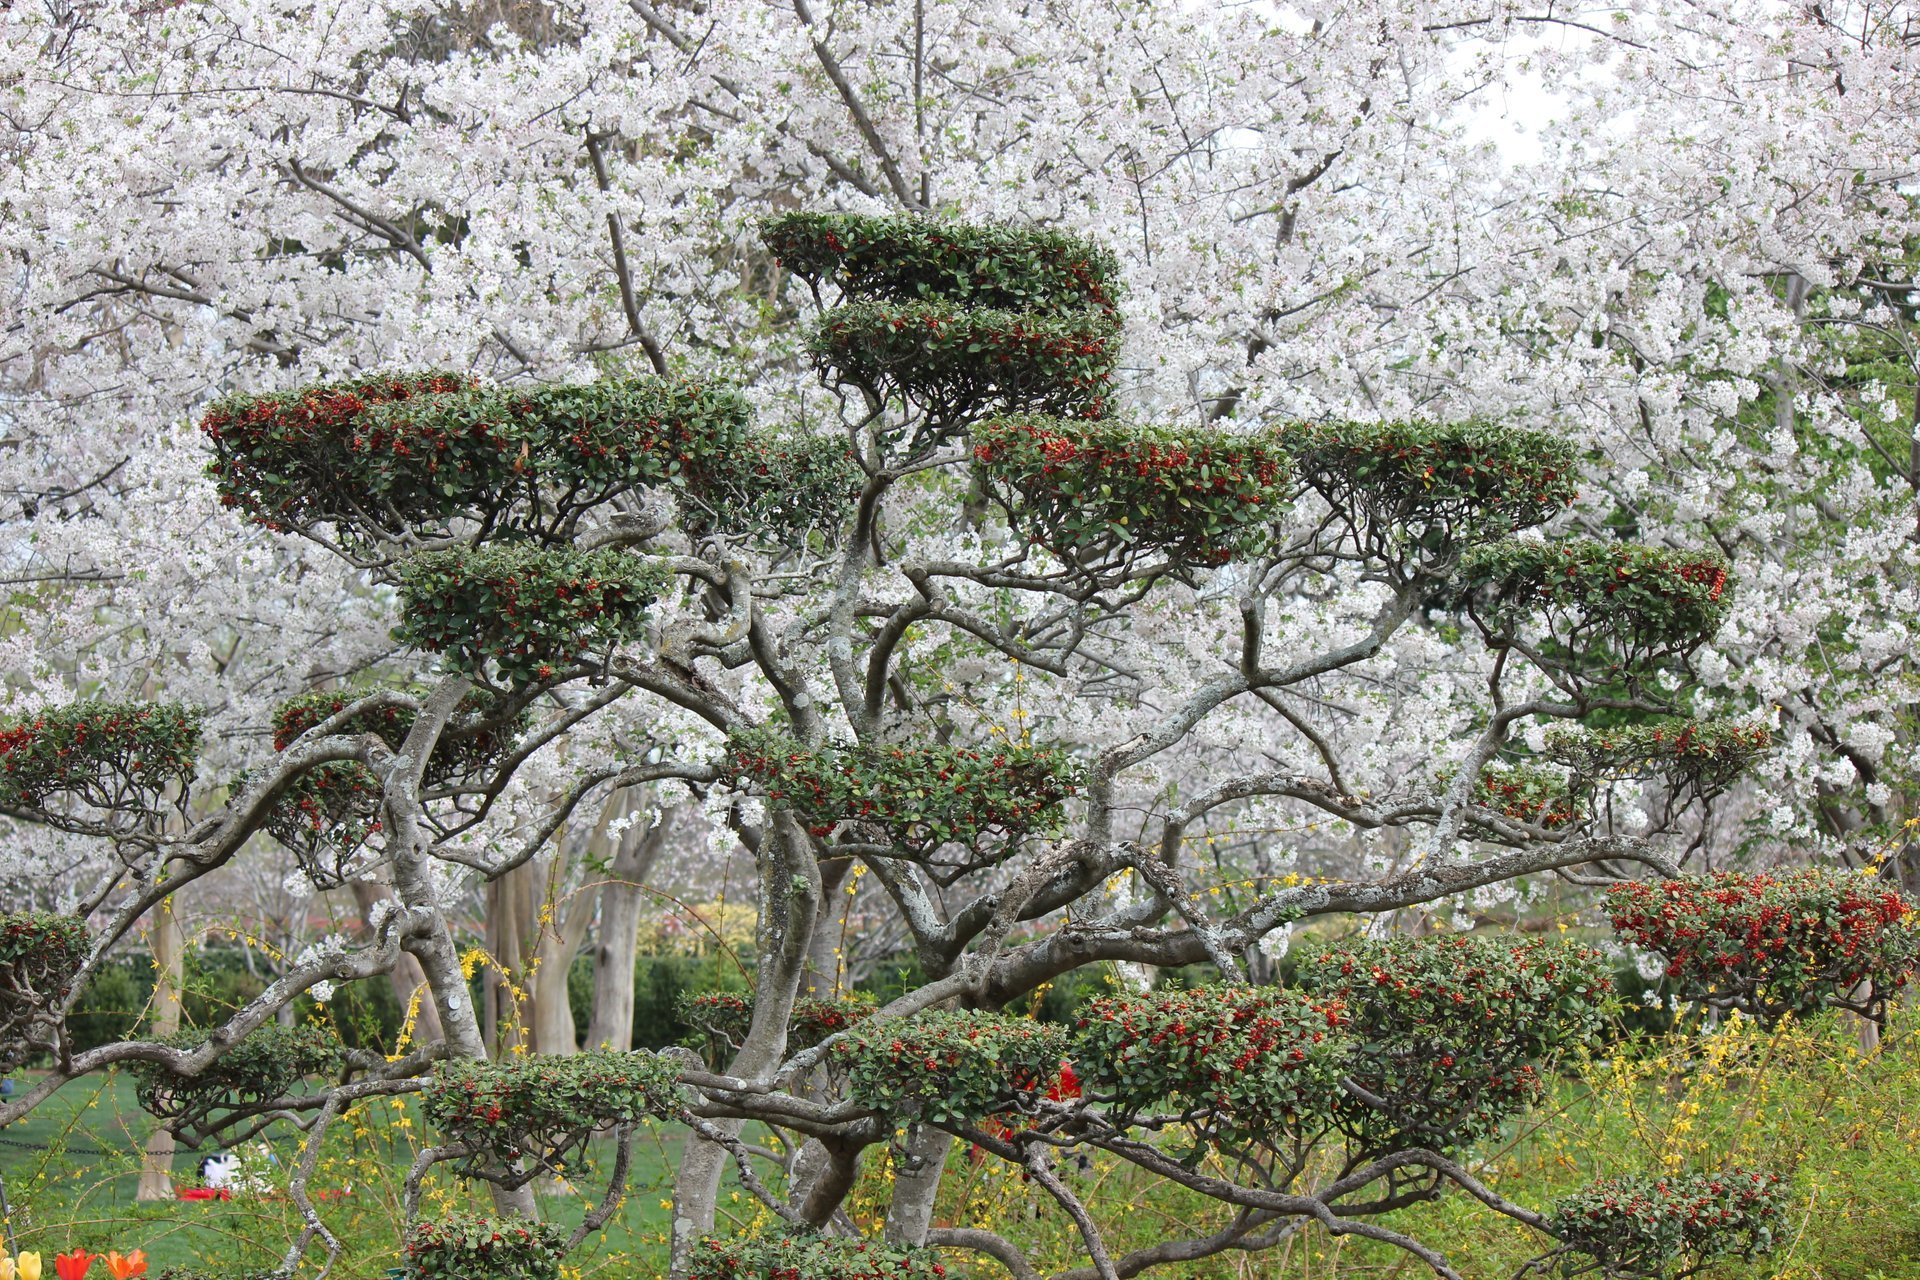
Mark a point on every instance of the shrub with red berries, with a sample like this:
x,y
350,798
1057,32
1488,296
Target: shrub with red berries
x,y
543,1108
1447,1036
389,456
1696,757
960,363
1617,604
261,1067
522,613
1096,492
39,954
282,458
467,1247
117,756
1411,481
805,1256
924,795
1645,1227
950,1068
1239,1063
1772,944
1525,793
906,259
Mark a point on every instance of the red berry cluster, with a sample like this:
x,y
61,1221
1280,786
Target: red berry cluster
x,y
1770,944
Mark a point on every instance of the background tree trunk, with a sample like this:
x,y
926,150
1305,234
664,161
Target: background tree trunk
x,y
616,949
169,965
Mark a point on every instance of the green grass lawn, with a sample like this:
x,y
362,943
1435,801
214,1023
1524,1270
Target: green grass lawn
x,y
73,1166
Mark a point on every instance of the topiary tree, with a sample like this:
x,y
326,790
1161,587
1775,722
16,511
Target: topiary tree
x,y
1017,657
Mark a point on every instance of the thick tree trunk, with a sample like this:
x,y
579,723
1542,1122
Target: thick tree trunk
x,y
169,963
616,950
408,979
413,885
789,903
916,1185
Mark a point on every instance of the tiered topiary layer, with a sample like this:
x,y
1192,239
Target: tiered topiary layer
x,y
925,796
122,757
524,613
1613,604
1775,944
386,457
1097,492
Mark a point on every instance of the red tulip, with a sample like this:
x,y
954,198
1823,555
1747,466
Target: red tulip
x,y
75,1265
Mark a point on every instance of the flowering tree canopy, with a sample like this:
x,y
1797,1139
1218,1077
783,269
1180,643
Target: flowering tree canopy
x,y
1169,457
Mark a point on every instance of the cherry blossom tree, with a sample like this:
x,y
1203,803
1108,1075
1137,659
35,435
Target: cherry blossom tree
x,y
1702,281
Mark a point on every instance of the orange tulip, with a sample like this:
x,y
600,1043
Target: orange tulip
x,y
75,1265
134,1264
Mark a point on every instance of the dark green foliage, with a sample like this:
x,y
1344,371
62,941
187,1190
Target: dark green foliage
x,y
545,1107
466,1247
1698,757
907,259
523,612
1448,1034
200,1273
264,1065
925,796
1775,944
1527,794
120,756
282,458
391,456
111,1003
721,1018
949,1067
1610,600
1245,1064
1646,1226
804,1256
1412,480
958,363
39,954
1095,491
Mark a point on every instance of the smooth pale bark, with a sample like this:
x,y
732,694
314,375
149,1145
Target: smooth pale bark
x,y
407,977
617,945
413,885
916,1184
169,963
789,903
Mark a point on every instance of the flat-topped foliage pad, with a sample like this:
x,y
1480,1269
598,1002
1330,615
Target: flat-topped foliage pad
x,y
1772,944
924,795
464,1246
386,456
1100,488
1643,1226
1244,1063
546,1107
111,755
1527,793
949,1067
1634,603
1450,1034
906,259
960,362
521,610
1702,755
264,1065
804,1256
281,457
1473,479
